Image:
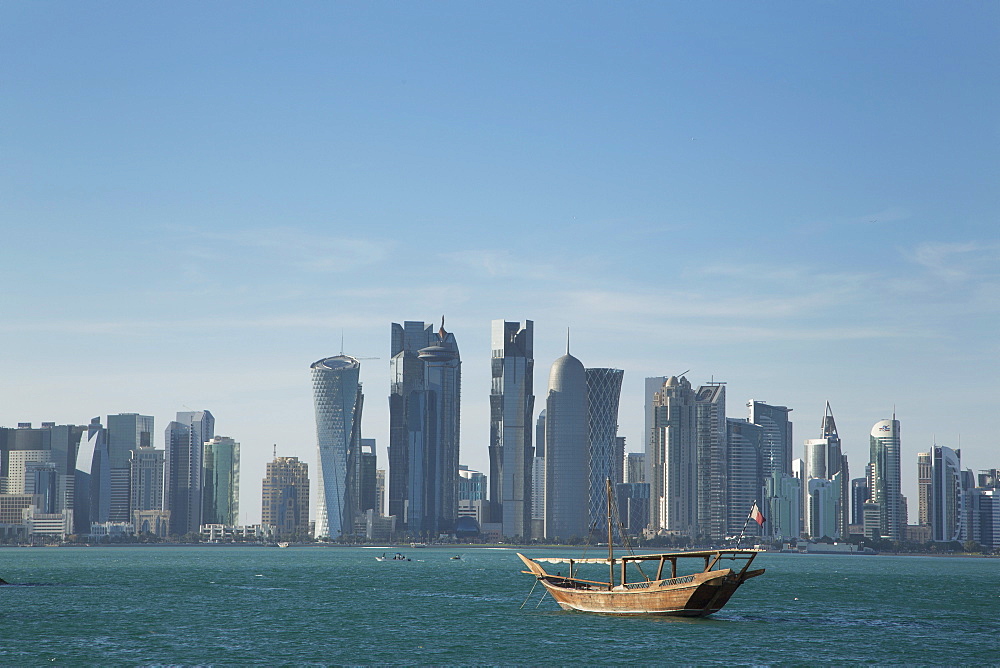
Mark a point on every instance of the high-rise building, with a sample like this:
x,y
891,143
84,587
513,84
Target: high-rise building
x,y
538,480
924,468
285,502
633,505
824,460
651,386
635,467
885,487
472,490
92,493
221,491
859,495
146,491
946,502
512,405
567,451
185,446
338,400
146,477
367,471
380,483
783,498
777,453
710,414
125,433
672,462
424,412
604,387
745,475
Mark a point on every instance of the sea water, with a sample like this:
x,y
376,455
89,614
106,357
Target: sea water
x,y
232,605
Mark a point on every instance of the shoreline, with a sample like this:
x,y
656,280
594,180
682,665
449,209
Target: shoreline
x,y
478,546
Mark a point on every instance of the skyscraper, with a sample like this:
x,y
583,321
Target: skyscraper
x,y
604,388
185,442
512,405
567,451
146,496
885,488
338,401
710,412
146,478
777,436
635,467
824,460
125,433
285,492
366,488
651,386
92,495
538,479
672,462
745,474
946,502
424,413
924,468
221,492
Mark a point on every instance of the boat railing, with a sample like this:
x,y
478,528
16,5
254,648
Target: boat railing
x,y
676,581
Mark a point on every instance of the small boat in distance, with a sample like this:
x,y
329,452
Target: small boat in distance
x,y
712,578
395,557
283,544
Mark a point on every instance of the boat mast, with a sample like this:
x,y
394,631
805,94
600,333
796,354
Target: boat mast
x,y
611,545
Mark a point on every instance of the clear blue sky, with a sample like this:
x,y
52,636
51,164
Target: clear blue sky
x,y
800,199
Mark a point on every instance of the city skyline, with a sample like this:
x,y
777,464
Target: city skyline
x,y
795,199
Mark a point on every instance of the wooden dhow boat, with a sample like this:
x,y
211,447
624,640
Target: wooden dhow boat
x,y
710,578
693,595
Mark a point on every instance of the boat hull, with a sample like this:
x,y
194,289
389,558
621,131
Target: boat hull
x,y
696,599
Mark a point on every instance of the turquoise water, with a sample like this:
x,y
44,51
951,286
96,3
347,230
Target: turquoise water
x,y
321,606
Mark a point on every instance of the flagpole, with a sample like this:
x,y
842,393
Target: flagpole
x,y
745,523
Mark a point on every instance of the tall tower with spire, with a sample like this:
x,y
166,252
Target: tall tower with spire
x,y
826,487
884,485
567,450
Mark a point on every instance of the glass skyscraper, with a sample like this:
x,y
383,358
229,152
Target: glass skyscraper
x,y
710,412
221,492
338,401
745,474
824,460
512,403
672,461
185,442
777,454
946,502
604,387
885,488
424,414
125,433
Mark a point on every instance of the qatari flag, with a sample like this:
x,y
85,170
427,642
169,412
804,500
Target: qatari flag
x,y
756,515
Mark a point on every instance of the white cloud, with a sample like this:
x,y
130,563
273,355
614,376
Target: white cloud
x,y
958,261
